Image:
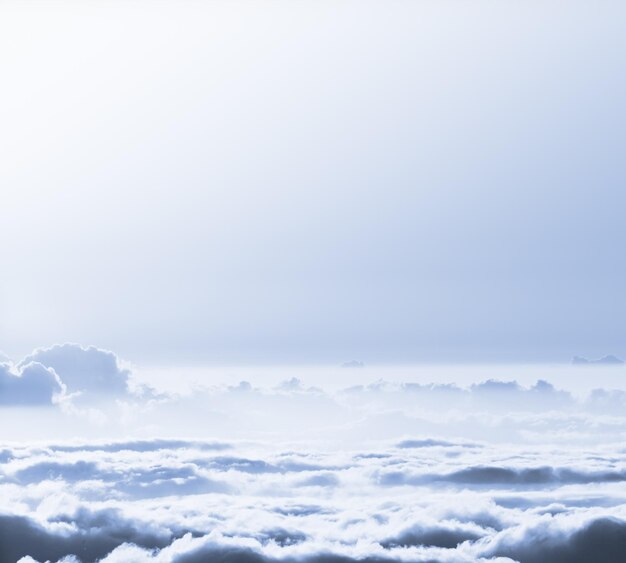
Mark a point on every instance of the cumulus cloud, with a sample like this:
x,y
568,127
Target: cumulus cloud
x,y
598,539
89,371
30,383
87,536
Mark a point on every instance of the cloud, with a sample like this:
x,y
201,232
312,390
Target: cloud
x,y
31,383
436,535
494,394
142,446
353,364
497,476
392,471
178,501
609,360
490,395
93,372
88,536
146,481
103,394
530,476
53,470
606,401
600,539
320,480
433,443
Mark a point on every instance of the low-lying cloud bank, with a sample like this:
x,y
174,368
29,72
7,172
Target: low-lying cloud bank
x,y
94,394
178,501
296,473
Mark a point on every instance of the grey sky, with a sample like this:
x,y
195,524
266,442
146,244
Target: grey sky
x,y
314,181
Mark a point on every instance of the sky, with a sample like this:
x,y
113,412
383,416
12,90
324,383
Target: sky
x,y
313,182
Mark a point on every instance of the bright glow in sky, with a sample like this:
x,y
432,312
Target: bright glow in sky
x,y
313,181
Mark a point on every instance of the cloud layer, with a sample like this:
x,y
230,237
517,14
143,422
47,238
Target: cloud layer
x,y
183,501
296,473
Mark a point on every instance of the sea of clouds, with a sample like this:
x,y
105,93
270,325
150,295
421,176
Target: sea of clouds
x,y
96,465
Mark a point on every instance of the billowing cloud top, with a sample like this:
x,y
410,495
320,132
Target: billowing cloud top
x,y
31,383
90,371
191,502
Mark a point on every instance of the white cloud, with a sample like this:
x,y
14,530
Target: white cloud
x,y
31,383
388,471
149,502
88,372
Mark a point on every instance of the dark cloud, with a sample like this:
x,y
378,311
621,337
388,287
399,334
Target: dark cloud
x,y
438,536
603,539
97,534
222,554
493,476
372,456
530,476
301,510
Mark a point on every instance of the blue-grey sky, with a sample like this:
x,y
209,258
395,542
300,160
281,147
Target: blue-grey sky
x,y
314,181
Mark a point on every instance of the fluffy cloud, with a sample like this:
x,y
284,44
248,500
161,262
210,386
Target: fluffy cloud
x,y
87,535
31,383
598,539
101,392
391,471
88,372
83,369
149,502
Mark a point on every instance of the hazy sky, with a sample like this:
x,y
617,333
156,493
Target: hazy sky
x,y
314,181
